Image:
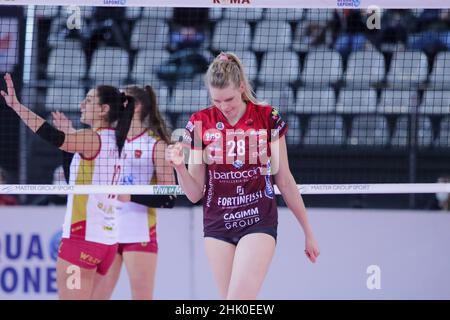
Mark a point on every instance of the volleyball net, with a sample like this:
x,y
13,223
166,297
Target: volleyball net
x,y
364,89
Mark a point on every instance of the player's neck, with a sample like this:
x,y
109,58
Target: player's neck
x,y
239,115
136,128
100,124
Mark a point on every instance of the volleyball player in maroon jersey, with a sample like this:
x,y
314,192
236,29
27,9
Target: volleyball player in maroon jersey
x,y
237,149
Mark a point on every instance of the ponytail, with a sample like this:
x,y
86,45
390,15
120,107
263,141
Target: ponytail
x,y
121,111
155,120
124,121
150,115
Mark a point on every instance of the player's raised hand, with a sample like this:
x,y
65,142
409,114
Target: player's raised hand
x,y
10,94
61,122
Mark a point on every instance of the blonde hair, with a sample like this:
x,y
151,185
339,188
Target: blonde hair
x,y
227,69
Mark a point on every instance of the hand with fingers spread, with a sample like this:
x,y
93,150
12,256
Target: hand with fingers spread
x,y
10,94
311,248
175,155
61,122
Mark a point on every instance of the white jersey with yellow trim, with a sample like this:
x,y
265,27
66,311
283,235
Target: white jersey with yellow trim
x,y
94,217
135,220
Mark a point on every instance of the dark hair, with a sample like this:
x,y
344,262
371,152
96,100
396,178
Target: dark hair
x,y
150,115
121,109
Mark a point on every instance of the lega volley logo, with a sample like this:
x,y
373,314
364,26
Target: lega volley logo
x,y
238,164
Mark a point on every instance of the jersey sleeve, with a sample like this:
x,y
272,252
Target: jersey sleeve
x,y
277,125
192,137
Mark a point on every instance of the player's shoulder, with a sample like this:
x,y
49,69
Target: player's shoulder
x,y
106,134
204,113
266,111
207,116
264,108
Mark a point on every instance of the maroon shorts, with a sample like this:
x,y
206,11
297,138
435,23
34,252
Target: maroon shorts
x,y
150,246
87,254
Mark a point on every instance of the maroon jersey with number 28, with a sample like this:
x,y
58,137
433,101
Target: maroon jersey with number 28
x,y
239,195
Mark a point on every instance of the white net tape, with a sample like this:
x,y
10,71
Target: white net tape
x,y
382,188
